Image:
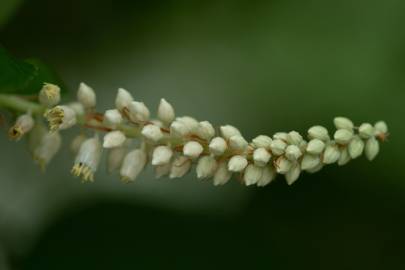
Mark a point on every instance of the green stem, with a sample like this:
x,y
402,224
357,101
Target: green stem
x,y
19,104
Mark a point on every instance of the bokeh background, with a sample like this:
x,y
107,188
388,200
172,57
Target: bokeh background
x,y
263,66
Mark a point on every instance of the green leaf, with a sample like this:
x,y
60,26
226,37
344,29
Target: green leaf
x,y
25,77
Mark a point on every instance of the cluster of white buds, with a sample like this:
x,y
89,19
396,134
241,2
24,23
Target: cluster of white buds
x,y
173,144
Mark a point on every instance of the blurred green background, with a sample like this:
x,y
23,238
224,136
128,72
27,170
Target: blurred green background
x,y
263,66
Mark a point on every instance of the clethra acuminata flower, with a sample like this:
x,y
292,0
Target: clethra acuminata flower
x,y
87,159
60,117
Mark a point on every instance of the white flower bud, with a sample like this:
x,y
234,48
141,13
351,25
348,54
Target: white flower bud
x,y
372,148
162,170
60,117
132,165
344,157
318,132
77,142
115,158
77,107
192,149
112,118
343,136
181,165
315,146
165,112
283,165
113,139
87,159
138,112
218,146
228,131
178,129
222,175
252,174
331,154
293,152
261,157
381,127
278,147
23,125
123,99
237,142
47,148
161,155
294,137
293,174
281,136
190,123
206,167
343,123
356,147
152,133
310,161
366,130
237,163
205,130
86,96
262,141
268,175
49,95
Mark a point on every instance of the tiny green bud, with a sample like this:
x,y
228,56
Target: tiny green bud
x,y
261,157
283,165
318,132
356,147
268,175
331,154
372,148
292,175
315,146
292,152
252,174
278,146
294,138
280,136
344,157
310,161
343,136
262,141
366,130
381,127
343,123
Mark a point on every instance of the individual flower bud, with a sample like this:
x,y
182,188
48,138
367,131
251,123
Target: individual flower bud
x,y
316,168
237,163
366,130
238,143
228,131
294,137
77,142
310,161
344,157
222,174
138,112
205,130
331,154
47,148
218,146
252,174
165,112
206,167
181,165
343,136
86,96
268,175
49,95
293,174
162,170
77,107
262,141
372,148
380,127
115,158
178,129
161,155
35,136
192,149
87,159
315,146
113,139
343,123
123,99
356,147
112,118
23,125
283,165
281,136
132,165
293,152
318,132
152,133
261,157
60,117
190,123
278,147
